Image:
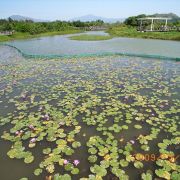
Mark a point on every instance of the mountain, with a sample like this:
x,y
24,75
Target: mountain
x,y
94,18
173,16
23,18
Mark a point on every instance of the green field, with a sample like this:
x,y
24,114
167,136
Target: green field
x,y
86,37
19,35
126,31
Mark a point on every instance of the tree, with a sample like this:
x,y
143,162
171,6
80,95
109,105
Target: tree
x,y
6,27
133,20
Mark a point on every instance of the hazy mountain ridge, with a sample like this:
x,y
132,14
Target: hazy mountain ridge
x,y
173,16
170,15
94,18
24,18
82,18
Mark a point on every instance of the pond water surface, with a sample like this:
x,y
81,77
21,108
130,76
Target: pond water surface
x,y
99,111
62,45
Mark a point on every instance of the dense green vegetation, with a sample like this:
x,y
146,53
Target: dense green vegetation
x,y
42,27
133,20
130,31
86,37
29,29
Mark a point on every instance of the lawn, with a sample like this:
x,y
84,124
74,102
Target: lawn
x,y
125,31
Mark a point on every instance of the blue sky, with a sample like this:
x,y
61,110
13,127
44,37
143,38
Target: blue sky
x,y
67,9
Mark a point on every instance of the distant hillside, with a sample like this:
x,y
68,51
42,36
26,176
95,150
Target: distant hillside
x,y
23,18
169,15
95,18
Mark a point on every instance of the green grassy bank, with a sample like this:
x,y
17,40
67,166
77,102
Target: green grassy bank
x,y
125,31
85,37
19,35
114,31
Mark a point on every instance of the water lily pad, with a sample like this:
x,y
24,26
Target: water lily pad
x,y
138,126
139,157
46,151
69,167
92,158
98,170
105,164
29,159
50,168
76,144
68,151
124,163
119,173
146,176
162,173
138,164
92,150
37,172
145,147
62,177
32,145
175,175
75,171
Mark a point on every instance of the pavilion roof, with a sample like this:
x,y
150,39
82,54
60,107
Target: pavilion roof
x,y
154,18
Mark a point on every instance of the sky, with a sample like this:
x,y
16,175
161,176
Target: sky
x,y
68,9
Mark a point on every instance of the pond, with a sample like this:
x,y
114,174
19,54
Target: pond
x,y
112,117
62,45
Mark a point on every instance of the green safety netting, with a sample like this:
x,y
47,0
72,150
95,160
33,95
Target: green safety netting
x,y
52,56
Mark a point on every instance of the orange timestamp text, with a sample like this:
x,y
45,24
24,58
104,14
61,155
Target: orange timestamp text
x,y
154,157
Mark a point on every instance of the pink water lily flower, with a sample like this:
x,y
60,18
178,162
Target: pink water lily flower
x,y
76,162
24,96
31,127
40,108
66,161
33,140
14,82
61,123
45,117
17,132
132,141
121,86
